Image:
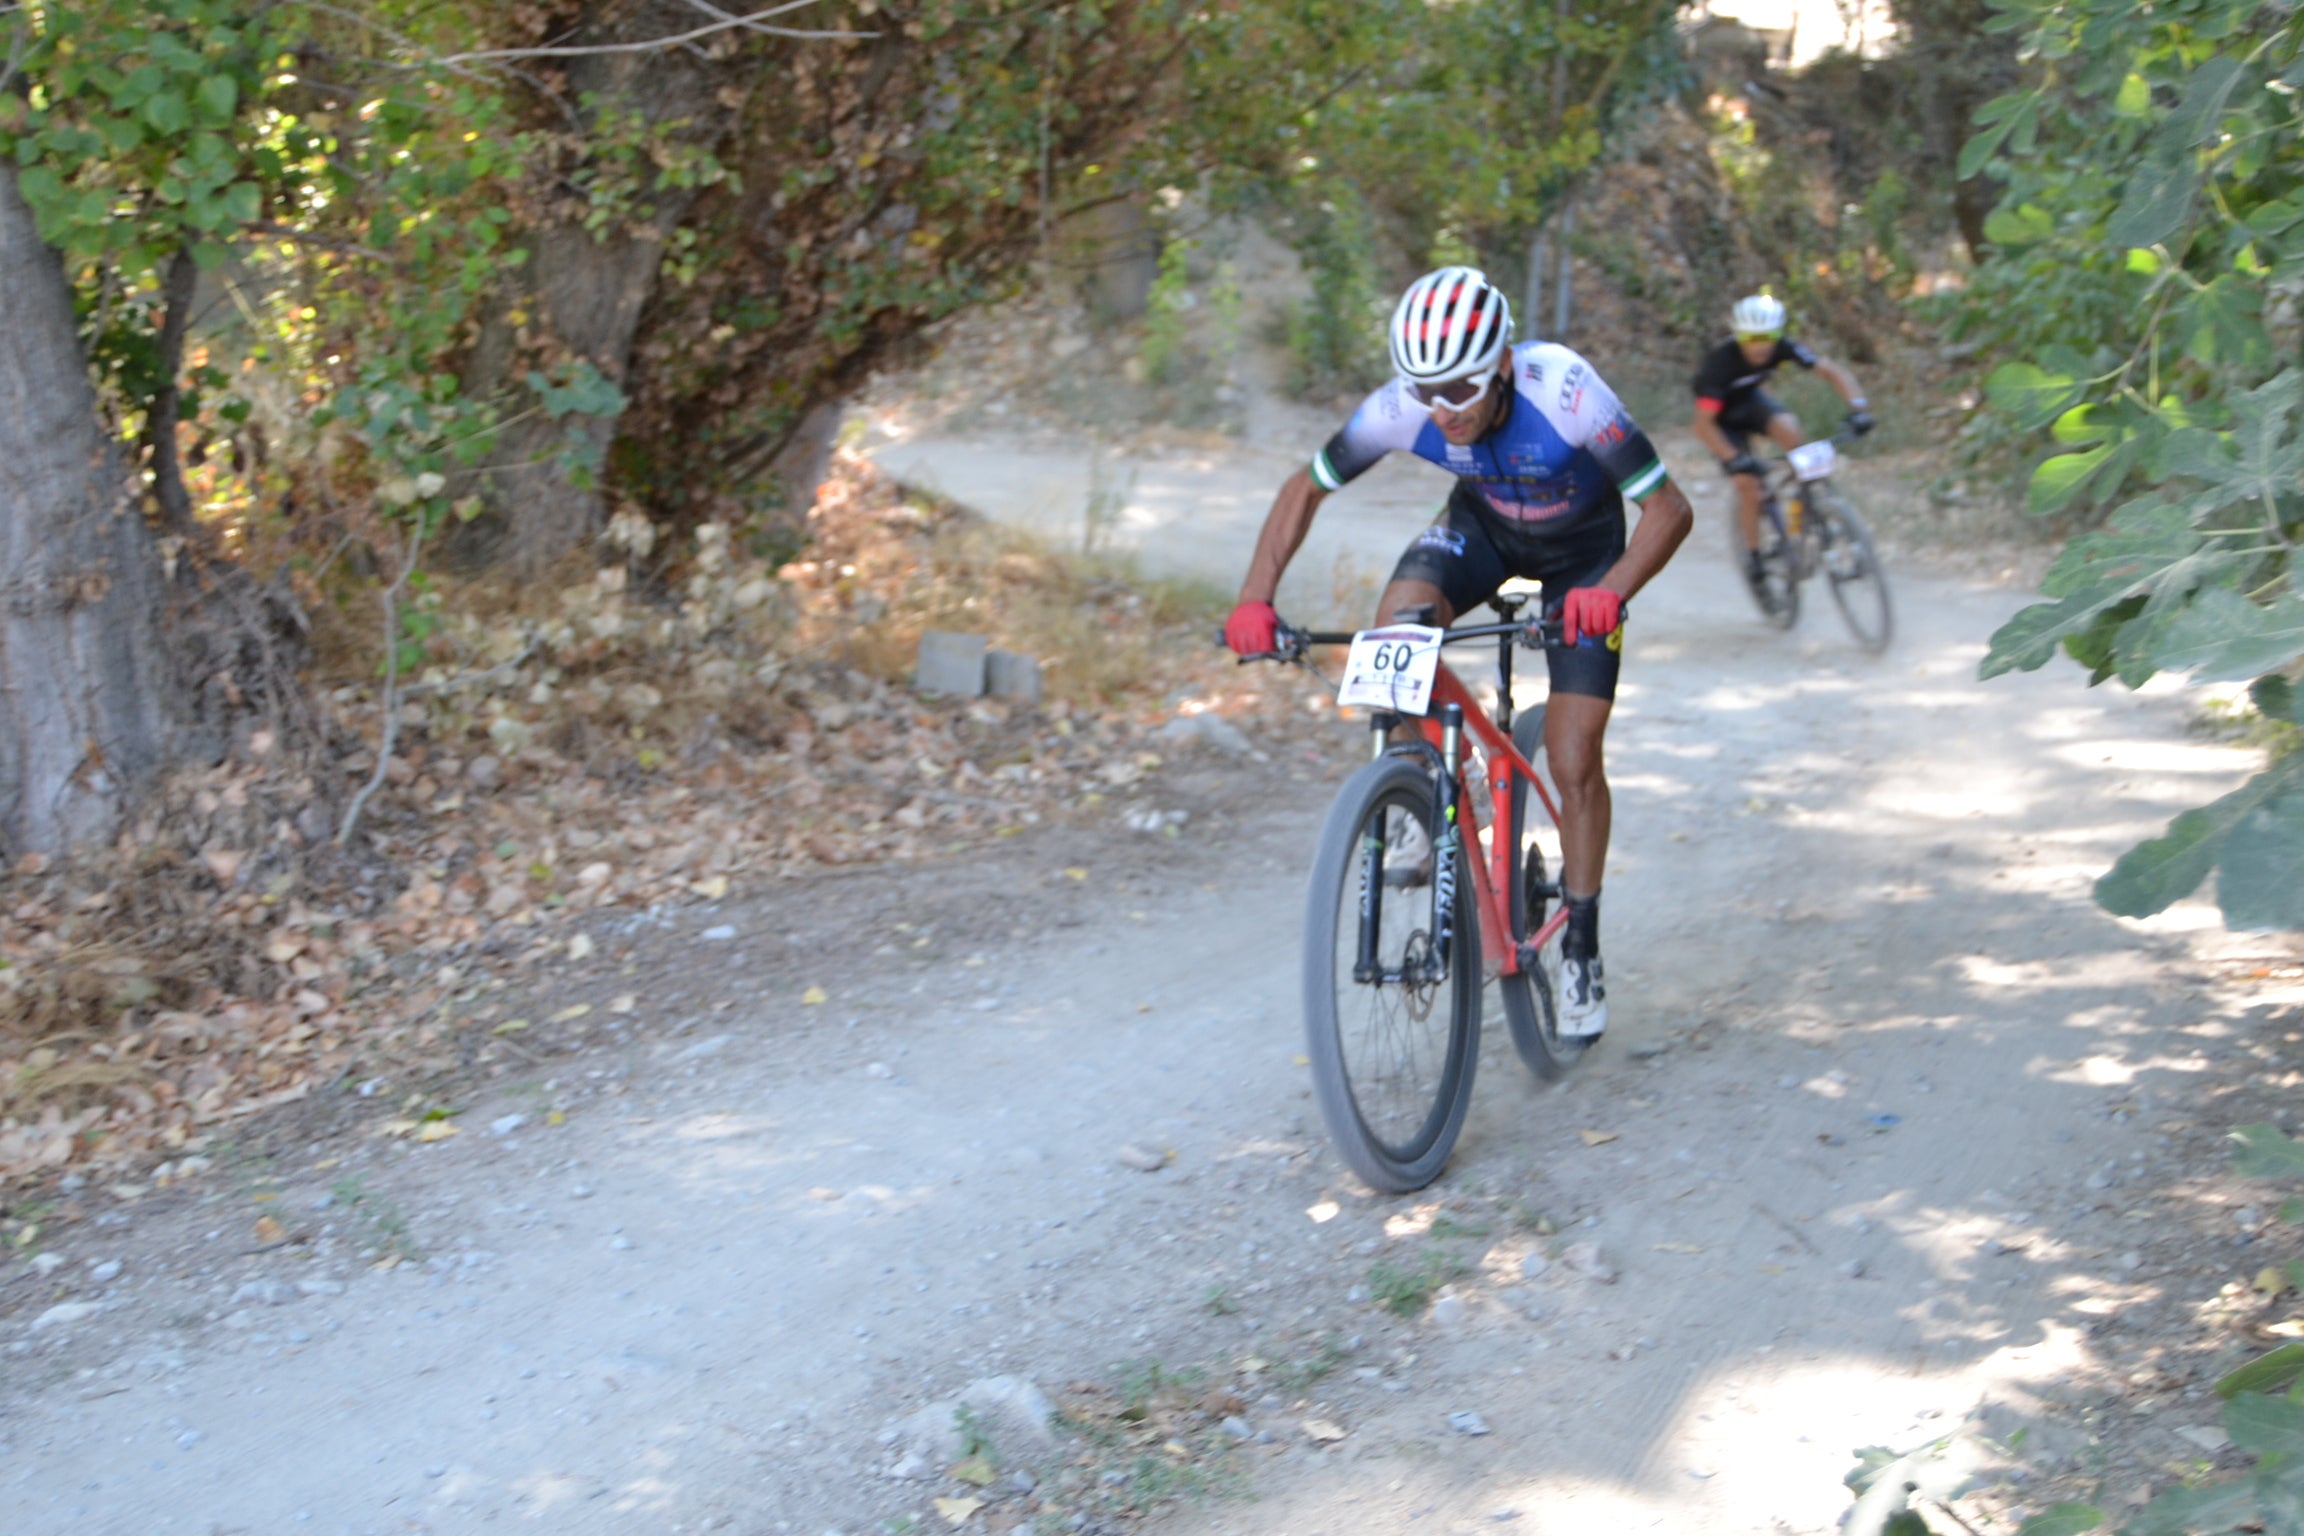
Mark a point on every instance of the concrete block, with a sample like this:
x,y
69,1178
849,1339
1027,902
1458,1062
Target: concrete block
x,y
1012,675
950,663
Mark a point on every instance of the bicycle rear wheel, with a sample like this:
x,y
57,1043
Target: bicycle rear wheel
x,y
1392,1060
1852,565
1532,997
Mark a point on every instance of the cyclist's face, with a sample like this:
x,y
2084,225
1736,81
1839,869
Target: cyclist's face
x,y
1757,349
1469,424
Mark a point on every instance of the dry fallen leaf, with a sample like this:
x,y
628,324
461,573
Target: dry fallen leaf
x,y
813,996
624,1002
580,947
571,1013
1322,1432
269,1231
957,1511
1597,1138
975,1469
436,1130
1677,1247
510,1027
1075,872
712,889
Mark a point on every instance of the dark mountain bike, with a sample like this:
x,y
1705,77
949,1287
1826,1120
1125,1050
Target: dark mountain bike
x,y
1807,528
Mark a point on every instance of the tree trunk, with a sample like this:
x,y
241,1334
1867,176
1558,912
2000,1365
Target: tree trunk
x,y
581,295
82,667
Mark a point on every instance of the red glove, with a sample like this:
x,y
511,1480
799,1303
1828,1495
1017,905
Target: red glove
x,y
1253,630
1593,611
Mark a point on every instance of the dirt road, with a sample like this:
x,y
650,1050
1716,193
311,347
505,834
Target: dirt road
x,y
1852,1154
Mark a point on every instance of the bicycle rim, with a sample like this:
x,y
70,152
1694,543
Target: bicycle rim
x,y
1392,1061
1532,997
1852,565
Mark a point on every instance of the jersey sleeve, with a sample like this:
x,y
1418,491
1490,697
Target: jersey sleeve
x,y
1587,415
1790,351
1385,423
1715,374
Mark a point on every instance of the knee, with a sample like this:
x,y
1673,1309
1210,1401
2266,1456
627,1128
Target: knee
x,y
1577,770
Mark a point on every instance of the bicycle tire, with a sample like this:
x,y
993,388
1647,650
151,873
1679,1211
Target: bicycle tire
x,y
1532,996
1852,566
1778,594
1393,1086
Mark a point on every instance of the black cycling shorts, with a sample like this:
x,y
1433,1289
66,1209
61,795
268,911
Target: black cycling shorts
x,y
1747,417
1467,555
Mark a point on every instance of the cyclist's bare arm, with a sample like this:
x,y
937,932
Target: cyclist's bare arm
x,y
1842,380
1665,518
1284,529
1706,425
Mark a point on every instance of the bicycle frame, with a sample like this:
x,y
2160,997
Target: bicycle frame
x,y
1492,876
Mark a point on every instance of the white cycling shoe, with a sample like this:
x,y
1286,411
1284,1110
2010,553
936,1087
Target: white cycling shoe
x,y
1408,860
1583,999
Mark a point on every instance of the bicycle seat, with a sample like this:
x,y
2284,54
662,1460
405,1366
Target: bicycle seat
x,y
1426,614
1509,604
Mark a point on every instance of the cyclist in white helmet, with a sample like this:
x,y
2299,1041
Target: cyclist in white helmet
x,y
1545,457
1732,406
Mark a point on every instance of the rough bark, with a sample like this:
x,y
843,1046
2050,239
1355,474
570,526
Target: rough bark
x,y
580,297
83,723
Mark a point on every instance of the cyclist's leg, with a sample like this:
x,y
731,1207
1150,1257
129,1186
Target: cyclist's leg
x,y
1784,428
1450,567
1738,421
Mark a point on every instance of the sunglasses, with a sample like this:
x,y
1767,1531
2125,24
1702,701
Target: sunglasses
x,y
1750,336
1456,394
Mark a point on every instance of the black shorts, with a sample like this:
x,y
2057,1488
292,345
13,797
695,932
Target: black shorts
x,y
1748,416
1467,555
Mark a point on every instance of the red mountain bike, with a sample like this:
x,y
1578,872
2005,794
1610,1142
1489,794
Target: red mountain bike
x,y
1416,878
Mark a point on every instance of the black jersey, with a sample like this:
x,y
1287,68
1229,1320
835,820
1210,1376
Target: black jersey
x,y
1727,377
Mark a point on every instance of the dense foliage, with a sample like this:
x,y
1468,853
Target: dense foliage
x,y
2149,258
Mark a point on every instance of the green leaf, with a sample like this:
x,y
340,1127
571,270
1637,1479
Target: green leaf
x,y
2159,200
2292,1211
219,95
244,201
2025,225
2261,1151
2182,1511
2223,637
2260,883
2063,1520
2032,396
2084,424
2265,1373
2134,98
2276,698
2153,875
2265,1424
167,112
2063,477
2199,117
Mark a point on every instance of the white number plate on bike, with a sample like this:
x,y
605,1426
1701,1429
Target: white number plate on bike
x,y
1813,461
1392,668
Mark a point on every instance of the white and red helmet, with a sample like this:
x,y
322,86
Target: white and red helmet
x,y
1450,324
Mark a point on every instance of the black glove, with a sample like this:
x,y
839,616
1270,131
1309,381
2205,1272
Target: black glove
x,y
1861,422
1742,464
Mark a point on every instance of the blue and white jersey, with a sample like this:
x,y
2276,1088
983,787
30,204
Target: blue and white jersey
x,y
1563,458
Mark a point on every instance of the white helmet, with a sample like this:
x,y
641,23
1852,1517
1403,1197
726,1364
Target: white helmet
x,y
1450,324
1758,314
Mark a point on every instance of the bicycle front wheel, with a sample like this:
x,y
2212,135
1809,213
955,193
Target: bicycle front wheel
x,y
1532,997
1394,1036
1852,565
1776,590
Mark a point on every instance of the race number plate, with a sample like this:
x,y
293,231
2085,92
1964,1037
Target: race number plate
x,y
1813,461
1392,668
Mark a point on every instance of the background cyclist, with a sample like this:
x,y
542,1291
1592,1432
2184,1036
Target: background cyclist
x,y
1545,456
1732,404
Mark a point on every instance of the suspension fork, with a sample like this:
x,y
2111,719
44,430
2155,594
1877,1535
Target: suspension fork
x,y
1447,841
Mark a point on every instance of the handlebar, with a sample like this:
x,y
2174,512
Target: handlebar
x,y
1536,634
